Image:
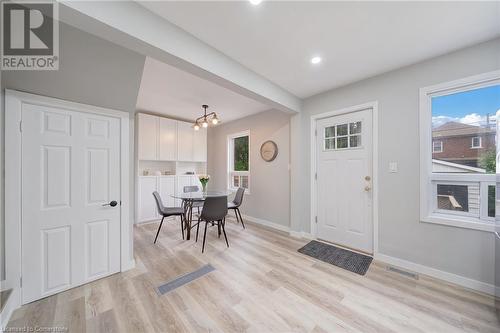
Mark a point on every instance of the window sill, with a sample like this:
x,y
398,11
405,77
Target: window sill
x,y
457,222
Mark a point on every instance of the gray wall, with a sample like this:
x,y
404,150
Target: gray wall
x,y
464,252
91,71
269,181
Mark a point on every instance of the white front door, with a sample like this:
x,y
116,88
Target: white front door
x,y
344,180
70,171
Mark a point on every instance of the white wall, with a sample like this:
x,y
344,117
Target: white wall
x,y
92,71
269,197
464,252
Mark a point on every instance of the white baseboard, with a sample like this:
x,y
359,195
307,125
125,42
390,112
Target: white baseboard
x,y
128,265
11,305
301,234
266,223
441,275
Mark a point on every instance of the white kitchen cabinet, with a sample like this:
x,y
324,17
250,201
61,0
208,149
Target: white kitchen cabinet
x,y
147,204
148,137
185,138
200,145
166,189
167,139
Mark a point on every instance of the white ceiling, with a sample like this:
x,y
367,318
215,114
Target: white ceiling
x,y
356,40
167,90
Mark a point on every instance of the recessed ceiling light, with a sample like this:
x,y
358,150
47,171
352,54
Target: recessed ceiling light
x,y
255,2
315,60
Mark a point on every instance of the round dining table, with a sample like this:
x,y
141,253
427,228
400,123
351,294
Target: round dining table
x,y
189,198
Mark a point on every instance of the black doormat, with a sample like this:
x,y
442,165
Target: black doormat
x,y
352,261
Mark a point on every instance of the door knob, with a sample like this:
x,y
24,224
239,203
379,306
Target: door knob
x,y
367,188
368,178
111,203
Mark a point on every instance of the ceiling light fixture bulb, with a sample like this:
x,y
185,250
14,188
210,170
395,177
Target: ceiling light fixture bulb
x,y
255,2
215,120
204,124
196,127
315,60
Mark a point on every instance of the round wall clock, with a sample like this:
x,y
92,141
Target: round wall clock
x,y
269,151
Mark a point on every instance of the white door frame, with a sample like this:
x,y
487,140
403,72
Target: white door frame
x,y
13,181
374,107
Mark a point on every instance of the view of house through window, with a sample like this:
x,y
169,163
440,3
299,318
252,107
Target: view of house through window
x,y
464,142
239,168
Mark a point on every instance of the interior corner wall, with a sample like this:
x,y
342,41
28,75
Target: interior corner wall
x,y
464,252
92,71
269,198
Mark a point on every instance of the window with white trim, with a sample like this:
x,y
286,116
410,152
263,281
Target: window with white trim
x,y
437,146
238,160
476,142
458,185
342,136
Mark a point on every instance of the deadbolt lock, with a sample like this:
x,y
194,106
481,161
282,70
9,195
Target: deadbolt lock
x,y
368,178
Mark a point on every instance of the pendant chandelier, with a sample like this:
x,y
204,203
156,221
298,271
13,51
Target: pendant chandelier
x,y
204,120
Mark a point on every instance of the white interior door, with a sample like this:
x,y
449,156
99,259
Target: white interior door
x,y
70,169
344,180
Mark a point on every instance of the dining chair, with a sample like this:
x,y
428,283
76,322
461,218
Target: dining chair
x,y
236,203
167,212
214,211
193,189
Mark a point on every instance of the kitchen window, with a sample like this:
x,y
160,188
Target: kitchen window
x,y
458,185
238,160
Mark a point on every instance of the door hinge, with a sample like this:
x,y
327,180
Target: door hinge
x,y
120,202
20,126
21,281
316,219
315,176
315,132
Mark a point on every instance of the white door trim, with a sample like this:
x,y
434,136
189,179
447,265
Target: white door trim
x,y
374,107
13,180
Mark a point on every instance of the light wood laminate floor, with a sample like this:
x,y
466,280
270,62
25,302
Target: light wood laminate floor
x,y
261,284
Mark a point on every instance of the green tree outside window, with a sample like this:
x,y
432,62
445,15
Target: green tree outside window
x,y
241,154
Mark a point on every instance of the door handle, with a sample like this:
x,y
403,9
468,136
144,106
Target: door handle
x,y
111,203
367,188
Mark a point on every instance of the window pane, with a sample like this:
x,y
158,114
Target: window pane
x,y
491,200
342,129
476,142
236,181
329,132
244,181
355,128
437,146
241,153
355,141
465,123
453,197
342,142
329,144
